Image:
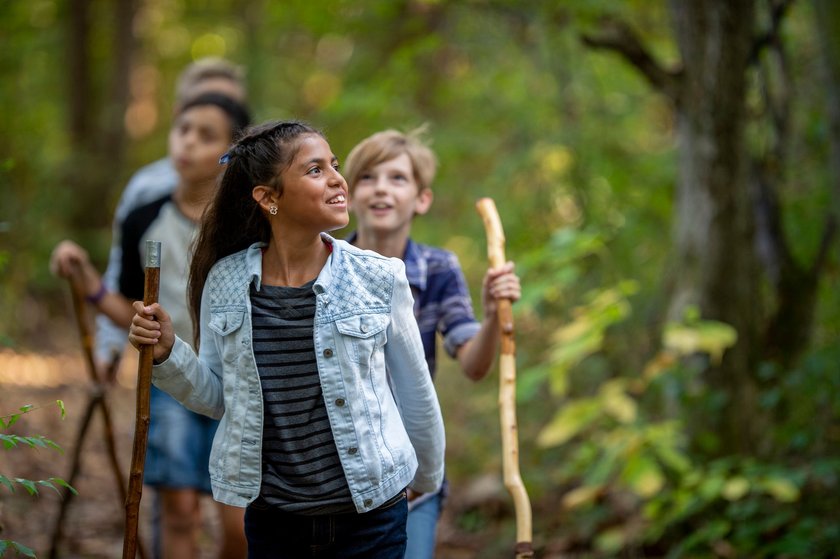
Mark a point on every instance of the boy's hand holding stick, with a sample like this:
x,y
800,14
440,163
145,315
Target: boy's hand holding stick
x,y
151,290
507,386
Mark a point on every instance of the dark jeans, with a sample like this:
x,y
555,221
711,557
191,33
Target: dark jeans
x,y
378,534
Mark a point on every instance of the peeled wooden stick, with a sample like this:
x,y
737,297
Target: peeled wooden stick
x,y
507,387
151,288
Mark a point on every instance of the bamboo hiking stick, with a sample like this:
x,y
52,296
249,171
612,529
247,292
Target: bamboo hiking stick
x,y
151,287
507,386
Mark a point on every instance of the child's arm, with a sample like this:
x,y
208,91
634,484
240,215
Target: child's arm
x,y
476,356
194,380
67,258
413,388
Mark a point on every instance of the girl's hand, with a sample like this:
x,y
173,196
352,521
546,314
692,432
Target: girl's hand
x,y
499,283
152,326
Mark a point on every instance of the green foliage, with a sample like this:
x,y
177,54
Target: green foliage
x,y
634,480
20,549
11,441
581,157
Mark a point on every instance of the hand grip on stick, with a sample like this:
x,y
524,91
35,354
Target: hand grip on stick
x,y
151,289
507,386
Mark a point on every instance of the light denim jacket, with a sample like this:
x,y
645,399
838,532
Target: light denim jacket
x,y
388,428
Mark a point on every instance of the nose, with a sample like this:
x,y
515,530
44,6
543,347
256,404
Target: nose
x,y
337,179
381,183
190,138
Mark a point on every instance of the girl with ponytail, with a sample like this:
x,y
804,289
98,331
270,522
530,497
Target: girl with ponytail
x,y
308,352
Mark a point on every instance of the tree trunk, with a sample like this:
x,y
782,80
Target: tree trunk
x,y
97,130
796,284
828,27
113,147
79,72
716,265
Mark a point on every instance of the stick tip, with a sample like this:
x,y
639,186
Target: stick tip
x,y
523,550
152,254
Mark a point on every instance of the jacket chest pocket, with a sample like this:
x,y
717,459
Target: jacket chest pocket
x,y
363,335
227,325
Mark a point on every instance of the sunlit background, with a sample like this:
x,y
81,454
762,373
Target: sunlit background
x,y
679,391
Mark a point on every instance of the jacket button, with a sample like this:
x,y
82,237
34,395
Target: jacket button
x,y
339,402
352,450
367,503
364,328
328,352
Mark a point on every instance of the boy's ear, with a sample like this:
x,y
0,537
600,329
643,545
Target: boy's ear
x,y
424,201
264,196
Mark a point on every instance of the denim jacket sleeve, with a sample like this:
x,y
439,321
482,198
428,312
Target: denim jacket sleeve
x,y
194,380
413,387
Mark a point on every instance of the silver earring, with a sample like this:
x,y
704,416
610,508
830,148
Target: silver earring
x,y
272,209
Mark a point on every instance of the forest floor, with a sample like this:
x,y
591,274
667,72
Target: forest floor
x,y
477,522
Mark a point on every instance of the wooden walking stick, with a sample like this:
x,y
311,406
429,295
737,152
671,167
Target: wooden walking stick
x,y
507,386
97,400
151,287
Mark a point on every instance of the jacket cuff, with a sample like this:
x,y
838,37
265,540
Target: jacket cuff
x,y
427,484
172,364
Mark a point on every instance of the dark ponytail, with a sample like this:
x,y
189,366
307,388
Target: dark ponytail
x,y
234,220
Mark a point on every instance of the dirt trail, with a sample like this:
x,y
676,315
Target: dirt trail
x,y
93,527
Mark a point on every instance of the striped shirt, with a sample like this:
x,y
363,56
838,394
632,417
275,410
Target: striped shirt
x,y
301,469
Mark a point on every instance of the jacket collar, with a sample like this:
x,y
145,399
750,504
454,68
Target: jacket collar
x,y
253,262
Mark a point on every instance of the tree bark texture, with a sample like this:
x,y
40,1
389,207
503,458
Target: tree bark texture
x,y
713,225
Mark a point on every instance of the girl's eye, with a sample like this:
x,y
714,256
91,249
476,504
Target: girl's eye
x,y
399,178
336,166
313,171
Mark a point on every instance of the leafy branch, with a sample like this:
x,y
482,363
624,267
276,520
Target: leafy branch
x,y
31,486
8,420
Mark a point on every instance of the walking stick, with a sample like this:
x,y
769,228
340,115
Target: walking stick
x,y
97,400
151,287
507,386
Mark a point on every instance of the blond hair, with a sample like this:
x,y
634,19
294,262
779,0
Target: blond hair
x,y
205,69
387,145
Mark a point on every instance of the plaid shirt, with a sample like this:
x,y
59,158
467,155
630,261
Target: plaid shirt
x,y
441,298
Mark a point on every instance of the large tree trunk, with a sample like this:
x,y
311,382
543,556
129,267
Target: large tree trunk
x,y
96,128
716,265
